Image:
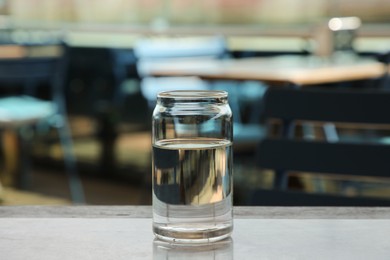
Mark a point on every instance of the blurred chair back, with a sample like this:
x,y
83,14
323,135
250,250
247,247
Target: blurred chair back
x,y
385,80
150,51
289,154
23,78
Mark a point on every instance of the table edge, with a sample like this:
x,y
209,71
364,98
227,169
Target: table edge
x,y
247,212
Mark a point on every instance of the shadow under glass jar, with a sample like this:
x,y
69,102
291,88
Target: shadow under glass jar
x,y
192,166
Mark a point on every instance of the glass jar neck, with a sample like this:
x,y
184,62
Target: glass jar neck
x,y
192,96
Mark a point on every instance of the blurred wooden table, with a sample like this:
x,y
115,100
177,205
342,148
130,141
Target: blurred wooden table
x,y
125,232
279,70
293,71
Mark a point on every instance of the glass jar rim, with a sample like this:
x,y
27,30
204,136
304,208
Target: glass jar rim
x,y
192,94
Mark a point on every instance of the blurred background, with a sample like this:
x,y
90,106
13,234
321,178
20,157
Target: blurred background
x,y
108,112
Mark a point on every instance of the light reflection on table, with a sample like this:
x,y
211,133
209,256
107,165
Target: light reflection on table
x,y
215,251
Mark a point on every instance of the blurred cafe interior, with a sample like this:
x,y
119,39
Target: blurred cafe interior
x,y
308,84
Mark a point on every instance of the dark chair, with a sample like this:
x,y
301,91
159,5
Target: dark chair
x,y
31,86
289,154
384,57
98,88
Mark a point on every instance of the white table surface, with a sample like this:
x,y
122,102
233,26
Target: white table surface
x,y
259,233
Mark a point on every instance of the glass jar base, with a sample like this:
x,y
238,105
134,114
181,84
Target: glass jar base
x,y
192,235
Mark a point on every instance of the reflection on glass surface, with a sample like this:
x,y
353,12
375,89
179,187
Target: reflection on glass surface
x,y
219,250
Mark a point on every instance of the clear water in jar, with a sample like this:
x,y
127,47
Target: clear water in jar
x,y
192,189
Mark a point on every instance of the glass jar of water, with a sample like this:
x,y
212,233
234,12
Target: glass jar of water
x,y
192,166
